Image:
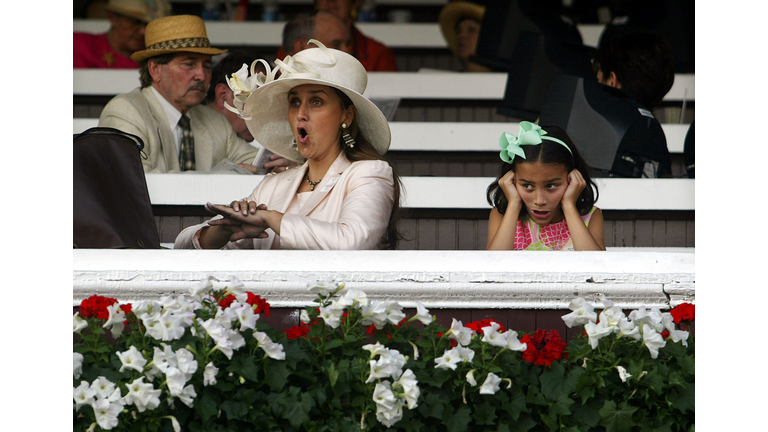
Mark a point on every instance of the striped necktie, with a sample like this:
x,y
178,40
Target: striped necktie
x,y
187,151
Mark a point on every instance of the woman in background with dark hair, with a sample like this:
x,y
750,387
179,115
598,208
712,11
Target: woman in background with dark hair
x,y
544,197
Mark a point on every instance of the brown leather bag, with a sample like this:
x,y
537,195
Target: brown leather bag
x,y
111,200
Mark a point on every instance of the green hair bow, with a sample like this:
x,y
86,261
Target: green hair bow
x,y
530,134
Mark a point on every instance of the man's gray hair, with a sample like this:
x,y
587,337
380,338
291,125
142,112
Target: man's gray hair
x,y
301,27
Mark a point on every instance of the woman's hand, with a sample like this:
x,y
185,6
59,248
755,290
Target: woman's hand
x,y
241,219
508,186
576,185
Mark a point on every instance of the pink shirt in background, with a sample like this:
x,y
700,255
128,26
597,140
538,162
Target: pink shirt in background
x,y
94,51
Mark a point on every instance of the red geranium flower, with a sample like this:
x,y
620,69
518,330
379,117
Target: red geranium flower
x,y
226,301
683,312
544,347
297,331
96,306
261,305
477,326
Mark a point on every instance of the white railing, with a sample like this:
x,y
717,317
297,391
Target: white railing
x,y
453,136
428,192
438,279
385,85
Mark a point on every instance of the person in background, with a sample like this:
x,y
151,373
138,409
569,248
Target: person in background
x,y
372,54
179,134
345,195
638,62
460,25
112,50
219,95
323,26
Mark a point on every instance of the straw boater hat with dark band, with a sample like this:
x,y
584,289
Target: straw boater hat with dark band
x,y
454,12
266,107
142,10
176,33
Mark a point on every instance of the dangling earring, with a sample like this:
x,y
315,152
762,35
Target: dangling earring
x,y
294,145
348,140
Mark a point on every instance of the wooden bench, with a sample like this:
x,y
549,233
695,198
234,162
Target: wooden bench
x,y
269,34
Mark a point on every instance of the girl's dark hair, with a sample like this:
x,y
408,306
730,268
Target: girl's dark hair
x,y
364,150
548,152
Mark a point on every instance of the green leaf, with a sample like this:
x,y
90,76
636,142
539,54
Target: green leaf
x,y
458,420
333,374
206,406
525,424
516,404
276,375
617,419
683,399
484,413
297,405
333,343
245,366
234,409
562,405
432,406
587,414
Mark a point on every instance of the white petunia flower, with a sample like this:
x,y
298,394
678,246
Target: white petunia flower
x,y
116,320
627,328
491,384
623,374
595,332
453,356
331,316
175,379
77,365
202,288
143,395
78,324
186,362
132,359
422,314
188,395
381,368
103,387
274,350
107,412
237,289
358,298
383,395
164,358
209,374
375,313
513,342
394,312
375,349
411,392
674,334
583,313
323,288
83,394
304,316
652,340
492,336
171,327
462,335
471,378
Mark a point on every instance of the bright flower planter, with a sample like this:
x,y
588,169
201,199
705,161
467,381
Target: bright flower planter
x,y
204,362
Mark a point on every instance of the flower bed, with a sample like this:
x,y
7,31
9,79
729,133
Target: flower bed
x,y
204,362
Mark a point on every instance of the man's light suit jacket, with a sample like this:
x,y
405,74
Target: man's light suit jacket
x,y
139,113
349,209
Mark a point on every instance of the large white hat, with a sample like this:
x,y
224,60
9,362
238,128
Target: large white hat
x,y
265,108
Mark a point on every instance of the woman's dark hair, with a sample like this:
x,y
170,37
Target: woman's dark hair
x,y
364,150
548,152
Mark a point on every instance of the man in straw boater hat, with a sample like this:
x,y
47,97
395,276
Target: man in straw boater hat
x,y
179,133
112,50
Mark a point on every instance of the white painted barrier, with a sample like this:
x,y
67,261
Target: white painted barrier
x,y
438,279
403,85
428,192
453,136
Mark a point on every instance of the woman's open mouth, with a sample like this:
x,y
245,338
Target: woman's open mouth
x,y
303,135
540,214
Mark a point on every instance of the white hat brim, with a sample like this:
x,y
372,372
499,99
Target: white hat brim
x,y
268,109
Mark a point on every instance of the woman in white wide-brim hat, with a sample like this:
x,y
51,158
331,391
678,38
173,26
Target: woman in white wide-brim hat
x,y
344,195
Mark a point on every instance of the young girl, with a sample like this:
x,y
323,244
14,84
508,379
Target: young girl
x,y
543,199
